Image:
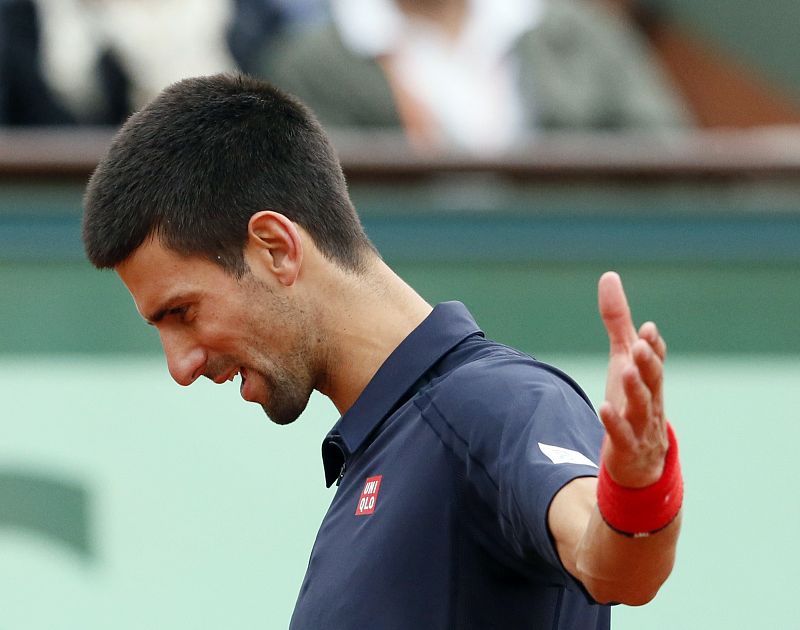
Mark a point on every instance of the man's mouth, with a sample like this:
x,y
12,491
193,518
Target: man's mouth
x,y
246,388
226,378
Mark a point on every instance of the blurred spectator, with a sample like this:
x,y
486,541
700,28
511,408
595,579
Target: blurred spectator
x,y
255,21
95,61
25,98
475,74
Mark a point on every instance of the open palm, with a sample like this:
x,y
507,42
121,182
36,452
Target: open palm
x,y
633,411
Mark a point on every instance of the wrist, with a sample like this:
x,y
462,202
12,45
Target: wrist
x,y
639,512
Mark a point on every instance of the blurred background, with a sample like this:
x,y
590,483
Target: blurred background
x,y
503,153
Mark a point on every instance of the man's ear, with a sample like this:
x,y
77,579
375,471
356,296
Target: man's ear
x,y
274,245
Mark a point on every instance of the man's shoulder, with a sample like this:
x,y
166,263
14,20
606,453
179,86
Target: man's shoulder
x,y
498,380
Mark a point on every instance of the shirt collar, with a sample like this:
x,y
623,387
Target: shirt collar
x,y
447,325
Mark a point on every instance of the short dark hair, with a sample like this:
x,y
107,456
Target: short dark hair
x,y
196,163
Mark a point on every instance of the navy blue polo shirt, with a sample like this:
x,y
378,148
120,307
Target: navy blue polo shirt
x,y
446,465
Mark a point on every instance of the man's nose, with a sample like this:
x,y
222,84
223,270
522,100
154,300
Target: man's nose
x,y
186,360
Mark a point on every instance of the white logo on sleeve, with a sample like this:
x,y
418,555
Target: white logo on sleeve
x,y
561,455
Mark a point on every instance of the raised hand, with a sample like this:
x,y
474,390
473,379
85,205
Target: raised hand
x,y
633,412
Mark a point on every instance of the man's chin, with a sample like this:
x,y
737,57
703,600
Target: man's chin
x,y
284,414
283,395
276,419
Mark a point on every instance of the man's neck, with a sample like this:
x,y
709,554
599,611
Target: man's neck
x,y
364,318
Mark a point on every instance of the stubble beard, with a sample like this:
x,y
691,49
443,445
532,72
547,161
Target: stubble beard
x,y
290,378
291,382
288,396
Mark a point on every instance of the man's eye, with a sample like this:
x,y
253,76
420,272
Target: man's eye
x,y
179,312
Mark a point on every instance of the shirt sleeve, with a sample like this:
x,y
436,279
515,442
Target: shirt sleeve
x,y
554,438
521,430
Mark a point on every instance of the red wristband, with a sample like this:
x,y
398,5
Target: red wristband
x,y
639,512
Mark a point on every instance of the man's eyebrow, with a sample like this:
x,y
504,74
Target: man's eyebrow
x,y
156,316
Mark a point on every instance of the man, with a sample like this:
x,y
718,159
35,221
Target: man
x,y
467,471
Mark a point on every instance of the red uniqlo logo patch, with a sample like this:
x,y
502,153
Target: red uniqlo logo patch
x,y
369,496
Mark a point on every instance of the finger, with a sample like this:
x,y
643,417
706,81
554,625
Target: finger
x,y
637,398
649,332
651,371
618,429
649,364
615,312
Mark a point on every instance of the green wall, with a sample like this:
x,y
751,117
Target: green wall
x,y
716,263
51,308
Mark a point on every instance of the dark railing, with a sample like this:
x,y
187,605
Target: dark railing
x,y
763,153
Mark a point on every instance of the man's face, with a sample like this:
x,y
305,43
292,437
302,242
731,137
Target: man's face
x,y
214,325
